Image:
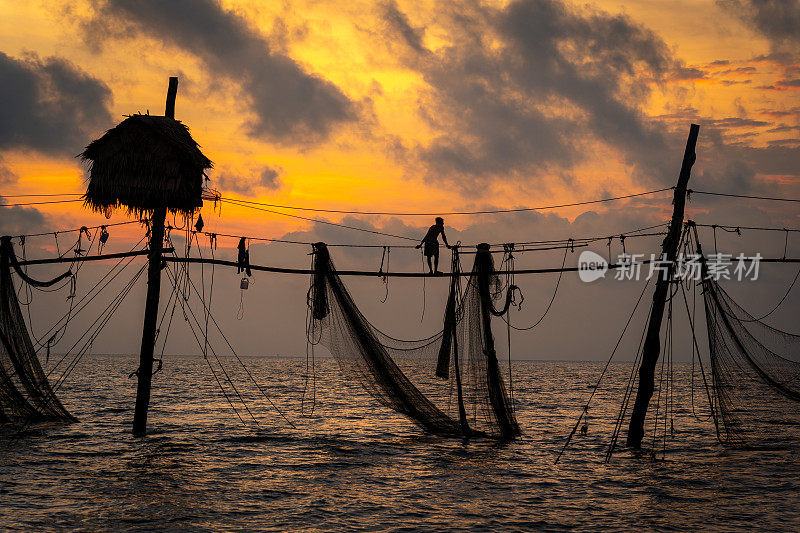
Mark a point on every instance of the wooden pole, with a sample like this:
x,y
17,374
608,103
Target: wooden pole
x,y
652,343
145,371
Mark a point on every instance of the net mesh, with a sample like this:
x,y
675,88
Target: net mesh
x,y
756,373
466,395
25,393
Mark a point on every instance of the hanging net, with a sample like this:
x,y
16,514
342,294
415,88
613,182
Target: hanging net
x,y
25,393
466,396
755,373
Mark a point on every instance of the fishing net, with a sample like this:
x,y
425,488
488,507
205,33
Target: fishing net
x,y
25,393
755,373
466,396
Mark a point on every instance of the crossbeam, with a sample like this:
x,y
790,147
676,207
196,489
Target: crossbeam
x,y
305,271
378,274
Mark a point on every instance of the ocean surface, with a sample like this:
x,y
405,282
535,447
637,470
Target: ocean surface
x,y
351,464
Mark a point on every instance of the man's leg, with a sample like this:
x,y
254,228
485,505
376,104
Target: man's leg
x,y
430,267
436,262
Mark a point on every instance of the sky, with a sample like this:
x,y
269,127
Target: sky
x,y
414,106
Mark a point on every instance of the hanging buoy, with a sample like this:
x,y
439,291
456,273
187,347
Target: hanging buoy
x,y
244,284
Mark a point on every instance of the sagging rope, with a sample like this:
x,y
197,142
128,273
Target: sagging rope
x,y
205,346
235,354
550,303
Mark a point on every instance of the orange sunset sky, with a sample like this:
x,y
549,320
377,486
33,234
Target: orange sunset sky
x,y
414,107
410,106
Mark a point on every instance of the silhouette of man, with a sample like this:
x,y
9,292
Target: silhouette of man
x,y
431,243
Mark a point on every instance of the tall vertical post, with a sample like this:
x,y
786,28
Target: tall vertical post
x,y
652,343
145,371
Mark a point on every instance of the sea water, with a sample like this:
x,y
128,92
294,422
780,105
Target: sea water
x,y
350,464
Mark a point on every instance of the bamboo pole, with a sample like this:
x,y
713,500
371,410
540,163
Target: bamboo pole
x,y
145,371
652,343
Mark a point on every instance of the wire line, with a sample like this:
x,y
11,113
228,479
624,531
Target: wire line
x,y
418,214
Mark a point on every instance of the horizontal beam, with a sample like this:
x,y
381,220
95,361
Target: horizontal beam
x,y
282,270
83,258
369,273
372,273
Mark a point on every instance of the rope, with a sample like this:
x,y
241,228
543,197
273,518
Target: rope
x,y
236,355
628,393
696,348
236,202
552,299
733,229
42,195
777,305
603,372
206,346
20,204
554,244
750,197
447,213
102,320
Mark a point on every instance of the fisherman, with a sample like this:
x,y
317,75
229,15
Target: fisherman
x,y
431,242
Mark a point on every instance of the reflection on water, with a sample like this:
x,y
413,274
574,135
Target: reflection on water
x,y
351,464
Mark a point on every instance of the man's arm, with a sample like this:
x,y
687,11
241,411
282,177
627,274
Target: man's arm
x,y
444,238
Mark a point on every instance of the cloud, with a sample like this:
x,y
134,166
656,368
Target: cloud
x,y
793,84
249,184
19,220
522,90
778,20
398,24
688,74
737,122
290,105
6,174
270,177
50,105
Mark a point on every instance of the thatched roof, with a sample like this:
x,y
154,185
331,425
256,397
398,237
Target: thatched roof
x,y
145,162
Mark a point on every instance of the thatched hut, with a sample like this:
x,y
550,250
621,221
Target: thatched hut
x,y
143,163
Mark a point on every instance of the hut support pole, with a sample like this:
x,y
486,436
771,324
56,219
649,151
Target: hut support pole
x,y
652,342
145,372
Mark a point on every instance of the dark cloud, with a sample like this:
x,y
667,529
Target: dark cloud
x,y
778,20
781,113
772,160
737,70
782,128
50,105
6,174
19,220
778,58
688,74
249,184
398,24
290,104
522,89
736,122
270,178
